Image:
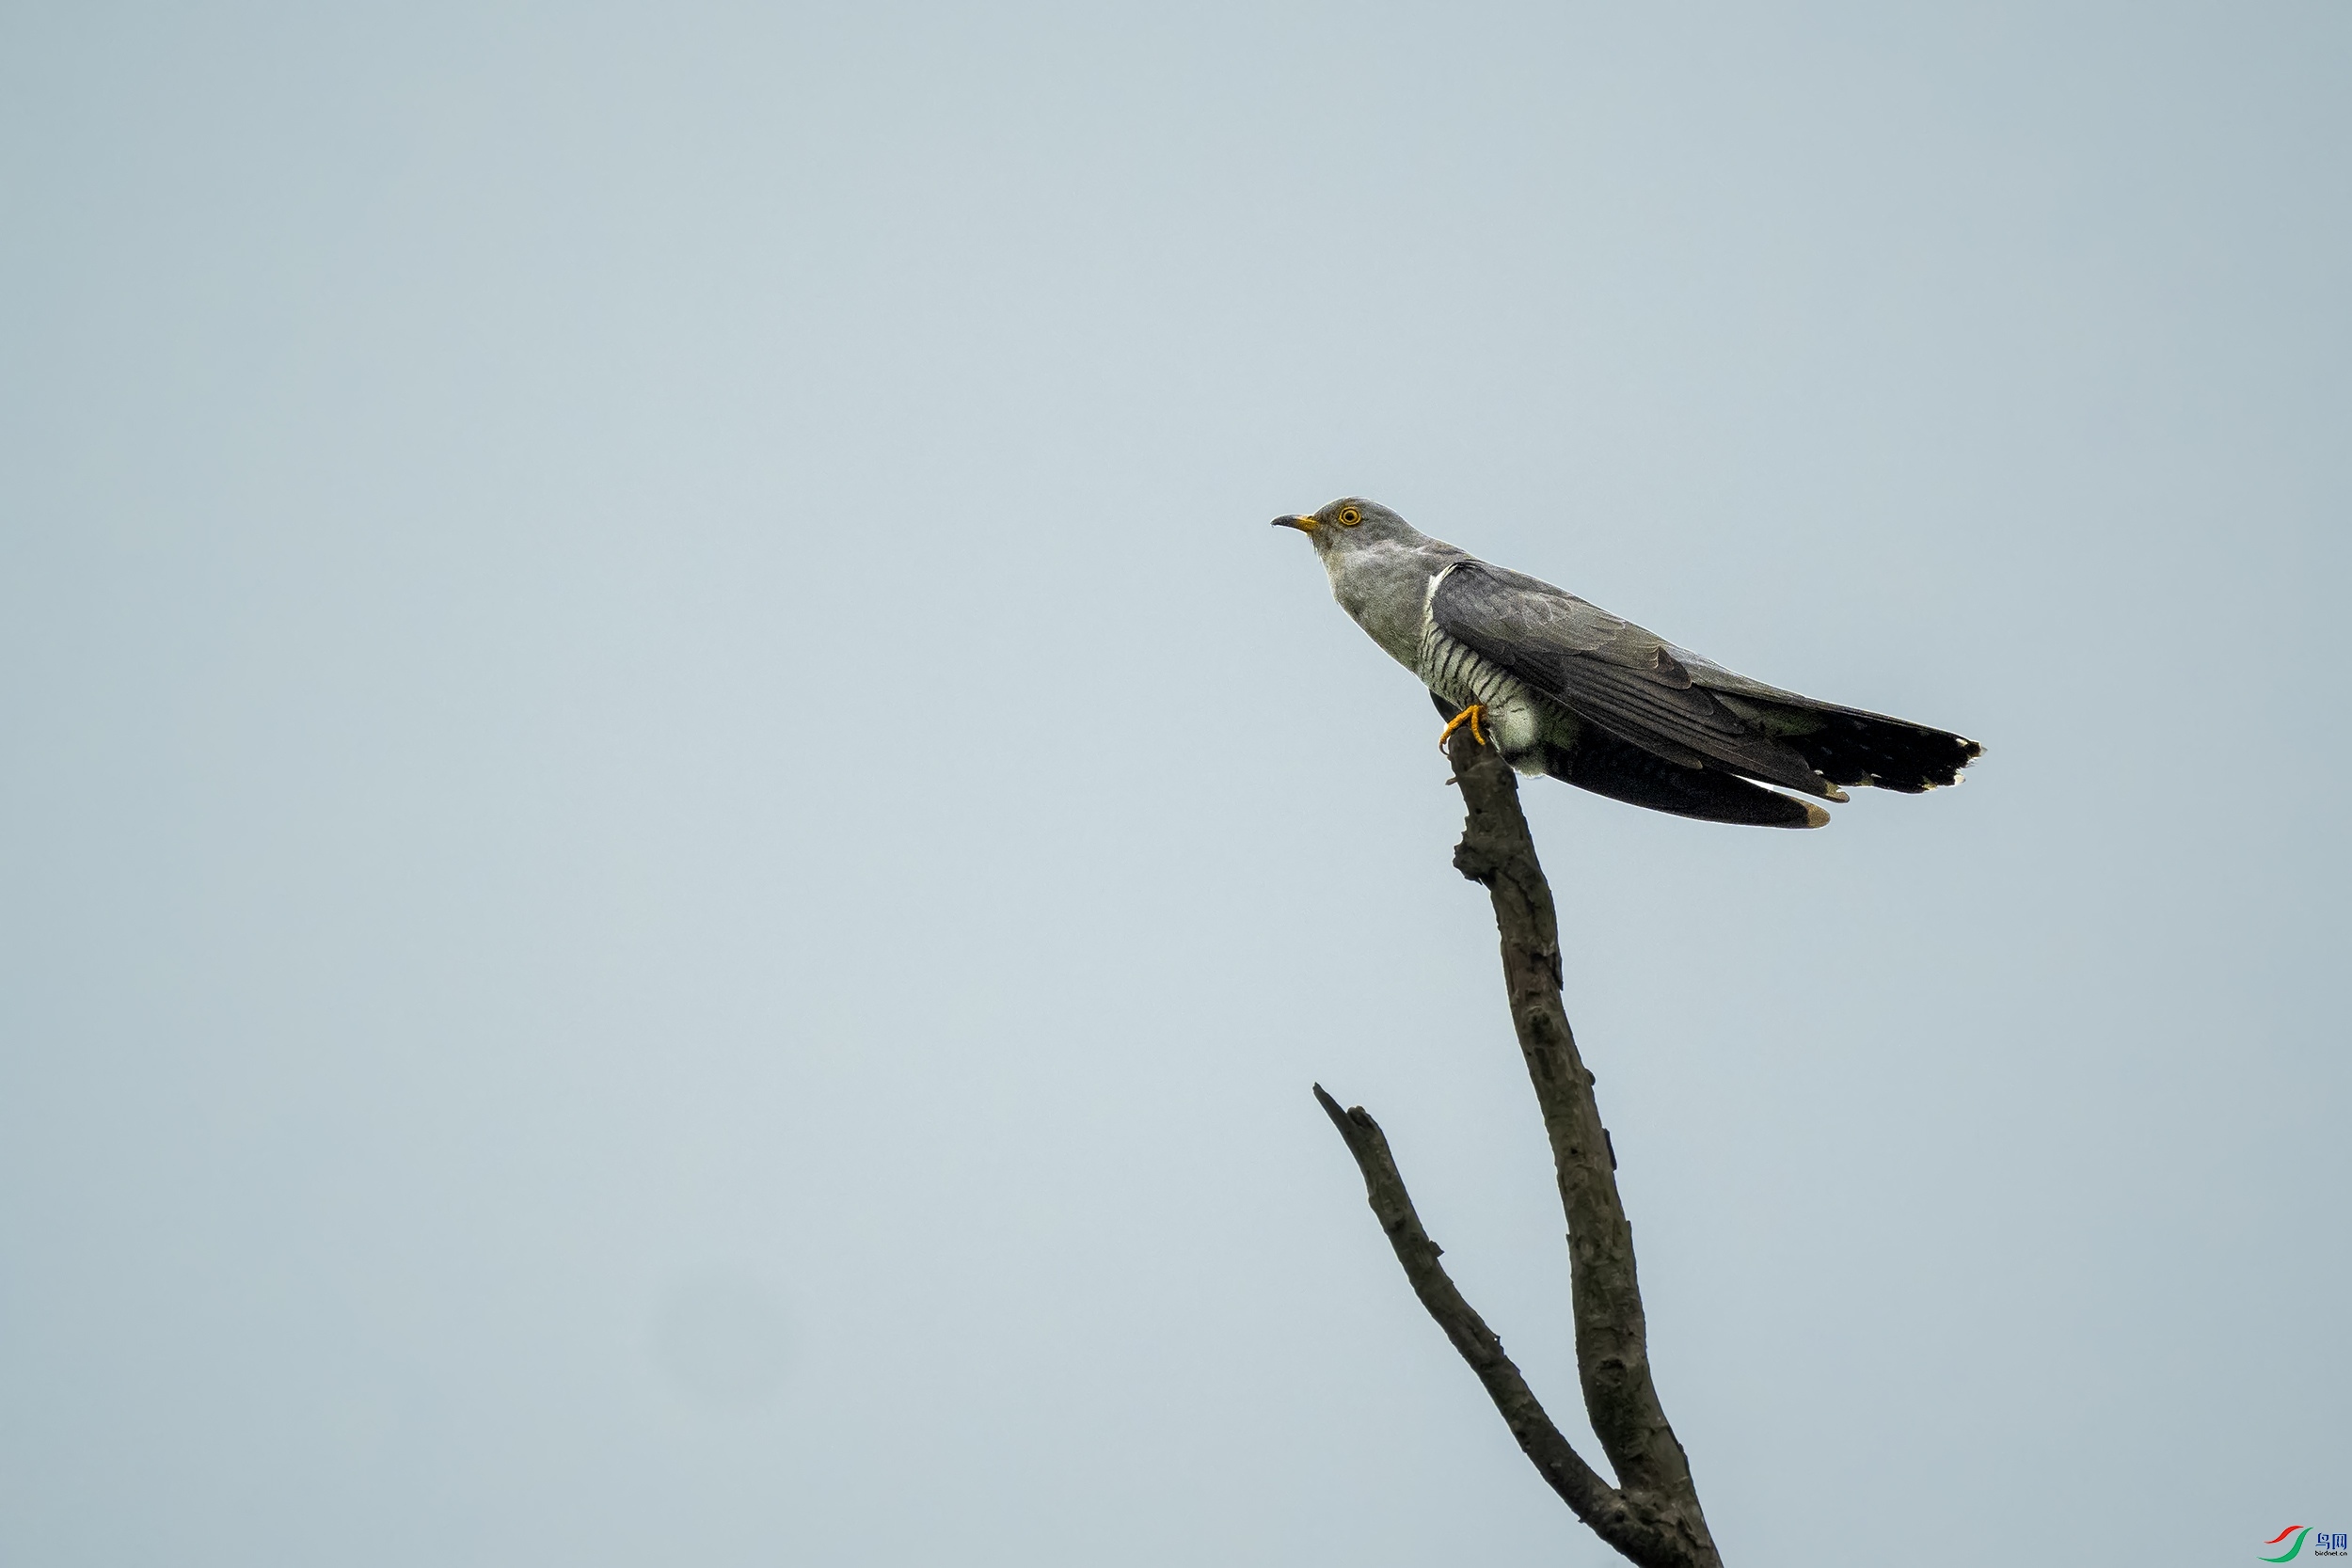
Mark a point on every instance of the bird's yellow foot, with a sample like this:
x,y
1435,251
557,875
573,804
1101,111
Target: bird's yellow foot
x,y
1469,716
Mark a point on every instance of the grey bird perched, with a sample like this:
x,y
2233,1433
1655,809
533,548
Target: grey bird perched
x,y
1567,688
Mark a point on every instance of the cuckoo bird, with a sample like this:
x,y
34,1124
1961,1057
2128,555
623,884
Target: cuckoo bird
x,y
1563,688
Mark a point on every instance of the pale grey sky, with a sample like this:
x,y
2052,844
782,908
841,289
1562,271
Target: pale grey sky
x,y
675,850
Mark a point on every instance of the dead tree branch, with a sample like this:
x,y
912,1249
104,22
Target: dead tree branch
x,y
1652,1516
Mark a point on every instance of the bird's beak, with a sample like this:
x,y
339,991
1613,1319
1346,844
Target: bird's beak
x,y
1304,524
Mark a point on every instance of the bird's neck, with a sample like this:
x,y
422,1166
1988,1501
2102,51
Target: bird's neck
x,y
1383,587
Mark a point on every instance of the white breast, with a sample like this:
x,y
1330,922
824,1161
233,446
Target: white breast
x,y
1462,675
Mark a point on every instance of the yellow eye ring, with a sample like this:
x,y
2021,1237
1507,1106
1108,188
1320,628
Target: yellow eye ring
x,y
1350,517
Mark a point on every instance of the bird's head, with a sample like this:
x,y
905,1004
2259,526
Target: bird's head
x,y
1351,523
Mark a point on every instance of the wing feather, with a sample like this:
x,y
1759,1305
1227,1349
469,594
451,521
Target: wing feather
x,y
1608,671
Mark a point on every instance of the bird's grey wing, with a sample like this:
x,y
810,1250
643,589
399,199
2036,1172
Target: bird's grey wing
x,y
1610,673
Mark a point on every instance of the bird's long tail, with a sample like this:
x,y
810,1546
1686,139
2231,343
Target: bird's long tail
x,y
1623,771
1849,746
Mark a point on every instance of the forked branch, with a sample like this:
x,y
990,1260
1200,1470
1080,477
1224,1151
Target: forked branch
x,y
1652,1516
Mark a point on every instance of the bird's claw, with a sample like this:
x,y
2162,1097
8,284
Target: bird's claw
x,y
1471,716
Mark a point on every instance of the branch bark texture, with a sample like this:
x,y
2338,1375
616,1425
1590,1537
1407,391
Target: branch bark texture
x,y
1652,1516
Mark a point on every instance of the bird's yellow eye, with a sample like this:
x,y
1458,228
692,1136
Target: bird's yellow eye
x,y
1350,517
